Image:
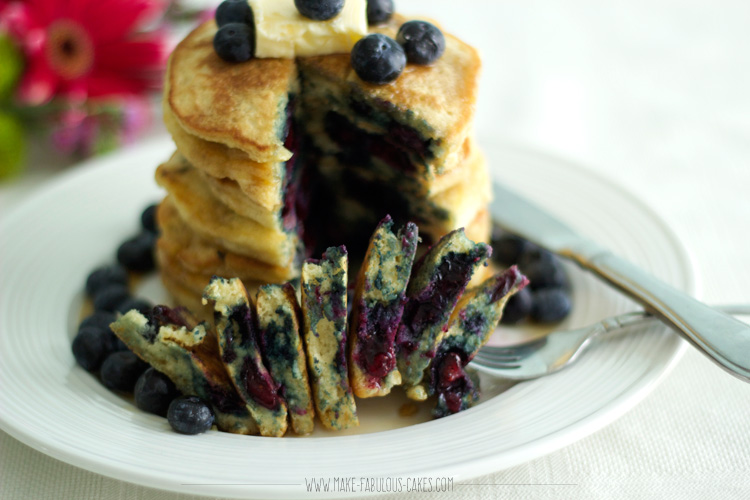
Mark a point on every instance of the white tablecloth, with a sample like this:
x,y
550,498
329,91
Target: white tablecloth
x,y
653,94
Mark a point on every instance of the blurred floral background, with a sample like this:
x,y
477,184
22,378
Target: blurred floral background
x,y
80,76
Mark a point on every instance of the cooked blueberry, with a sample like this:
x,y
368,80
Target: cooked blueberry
x,y
148,219
190,415
234,11
105,275
137,253
423,42
100,319
154,391
235,42
546,274
92,345
319,10
518,307
143,306
379,11
378,59
109,298
508,249
550,305
120,371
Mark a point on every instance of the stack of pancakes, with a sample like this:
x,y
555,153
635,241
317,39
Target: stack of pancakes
x,y
278,157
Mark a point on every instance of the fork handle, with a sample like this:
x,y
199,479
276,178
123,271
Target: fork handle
x,y
722,338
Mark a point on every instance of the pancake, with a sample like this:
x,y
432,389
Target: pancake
x,y
242,106
426,112
201,256
213,221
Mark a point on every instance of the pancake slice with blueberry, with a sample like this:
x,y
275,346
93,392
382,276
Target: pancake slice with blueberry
x,y
187,353
279,328
237,332
324,290
437,282
379,298
471,325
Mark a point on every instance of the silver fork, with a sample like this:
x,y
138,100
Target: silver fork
x,y
559,349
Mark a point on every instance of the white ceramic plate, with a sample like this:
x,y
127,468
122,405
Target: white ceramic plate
x,y
48,246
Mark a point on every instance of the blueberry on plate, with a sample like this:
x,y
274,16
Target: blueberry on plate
x,y
532,254
550,305
154,391
423,42
99,319
92,345
234,11
120,371
378,59
319,10
190,415
137,253
546,273
508,248
143,306
110,297
148,218
379,11
517,308
235,42
104,276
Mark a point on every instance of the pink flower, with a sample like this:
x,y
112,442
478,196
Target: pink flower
x,y
81,49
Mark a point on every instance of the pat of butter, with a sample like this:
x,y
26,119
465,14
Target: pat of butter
x,y
281,31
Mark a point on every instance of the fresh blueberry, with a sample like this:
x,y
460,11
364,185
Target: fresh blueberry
x,y
234,11
546,273
423,42
379,11
105,275
143,306
137,253
517,308
92,345
508,248
120,371
550,305
190,415
109,298
148,219
319,10
533,254
235,42
154,391
100,319
378,59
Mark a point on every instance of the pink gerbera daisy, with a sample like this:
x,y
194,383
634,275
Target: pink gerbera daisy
x,y
83,49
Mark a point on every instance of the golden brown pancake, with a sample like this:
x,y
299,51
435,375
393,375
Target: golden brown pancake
x,y
213,221
240,105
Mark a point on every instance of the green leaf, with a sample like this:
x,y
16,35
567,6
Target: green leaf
x,y
12,146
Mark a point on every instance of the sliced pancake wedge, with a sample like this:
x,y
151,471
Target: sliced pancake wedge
x,y
324,285
379,298
279,332
471,325
437,282
237,331
171,342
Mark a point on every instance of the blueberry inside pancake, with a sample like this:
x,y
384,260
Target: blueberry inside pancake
x,y
237,330
379,298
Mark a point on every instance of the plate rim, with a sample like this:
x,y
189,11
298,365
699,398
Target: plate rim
x,y
461,471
